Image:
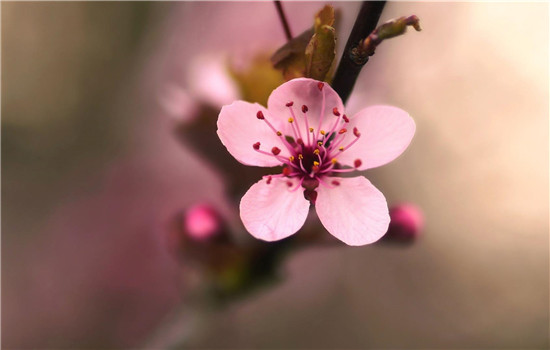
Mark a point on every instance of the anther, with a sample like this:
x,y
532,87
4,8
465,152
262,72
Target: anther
x,y
291,158
335,112
320,143
300,156
260,115
346,119
291,120
311,130
256,146
343,130
336,182
357,163
286,171
289,183
290,104
356,132
316,163
316,152
341,148
268,181
334,161
320,85
279,133
322,132
275,150
304,109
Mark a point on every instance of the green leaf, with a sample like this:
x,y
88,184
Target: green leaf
x,y
325,17
312,53
320,53
321,49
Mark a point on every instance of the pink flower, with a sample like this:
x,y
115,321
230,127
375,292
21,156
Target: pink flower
x,y
305,130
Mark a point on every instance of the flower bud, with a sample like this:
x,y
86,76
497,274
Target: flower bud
x,y
201,222
407,223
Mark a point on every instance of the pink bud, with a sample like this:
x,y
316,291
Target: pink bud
x,y
201,222
407,223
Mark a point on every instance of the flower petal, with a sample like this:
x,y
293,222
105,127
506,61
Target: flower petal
x,y
354,211
239,129
386,132
272,211
306,92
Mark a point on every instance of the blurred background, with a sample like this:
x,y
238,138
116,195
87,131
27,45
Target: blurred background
x,y
92,173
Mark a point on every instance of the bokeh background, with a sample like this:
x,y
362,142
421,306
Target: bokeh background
x,y
92,173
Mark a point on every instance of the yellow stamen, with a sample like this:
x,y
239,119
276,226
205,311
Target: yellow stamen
x,y
291,158
290,120
316,163
333,161
341,148
322,132
320,143
310,129
300,156
279,133
316,151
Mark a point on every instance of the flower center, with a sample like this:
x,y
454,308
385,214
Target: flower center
x,y
313,151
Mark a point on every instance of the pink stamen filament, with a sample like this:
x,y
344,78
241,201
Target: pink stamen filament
x,y
326,170
295,122
281,136
280,175
320,160
349,170
351,143
280,158
329,168
321,116
334,126
291,122
338,139
335,145
302,165
307,129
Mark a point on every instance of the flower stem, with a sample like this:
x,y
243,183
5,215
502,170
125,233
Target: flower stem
x,y
348,68
284,22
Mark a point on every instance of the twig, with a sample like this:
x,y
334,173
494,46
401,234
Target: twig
x,y
361,53
348,70
284,22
